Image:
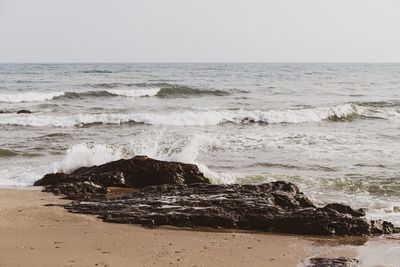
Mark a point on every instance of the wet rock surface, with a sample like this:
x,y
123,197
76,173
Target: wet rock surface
x,y
271,207
137,172
333,262
177,194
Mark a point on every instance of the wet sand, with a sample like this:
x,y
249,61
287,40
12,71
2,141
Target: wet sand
x,y
33,234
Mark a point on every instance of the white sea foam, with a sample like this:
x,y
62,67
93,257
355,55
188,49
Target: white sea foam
x,y
29,96
198,118
157,146
85,155
135,92
44,96
160,146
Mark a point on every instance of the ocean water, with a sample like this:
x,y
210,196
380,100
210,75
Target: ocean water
x,y
333,129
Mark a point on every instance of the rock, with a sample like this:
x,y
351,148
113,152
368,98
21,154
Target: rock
x,y
178,194
136,172
271,207
380,227
24,111
334,262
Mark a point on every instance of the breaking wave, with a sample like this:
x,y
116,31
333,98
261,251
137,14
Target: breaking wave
x,y
85,155
158,146
162,90
29,96
346,112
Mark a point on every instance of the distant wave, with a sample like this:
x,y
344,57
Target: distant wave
x,y
96,71
346,112
162,90
73,95
290,166
182,91
379,104
110,85
44,96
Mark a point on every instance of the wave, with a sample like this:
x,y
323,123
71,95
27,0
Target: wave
x,y
184,91
85,155
29,96
290,166
379,104
44,96
346,112
135,93
110,85
157,145
5,153
74,95
96,71
109,93
162,90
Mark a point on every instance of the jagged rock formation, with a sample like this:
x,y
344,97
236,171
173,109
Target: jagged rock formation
x,y
271,207
136,172
177,194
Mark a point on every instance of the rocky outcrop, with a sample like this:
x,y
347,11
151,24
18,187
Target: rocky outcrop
x,y
271,207
177,194
136,172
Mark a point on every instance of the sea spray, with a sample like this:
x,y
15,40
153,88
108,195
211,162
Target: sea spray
x,y
86,155
160,145
157,147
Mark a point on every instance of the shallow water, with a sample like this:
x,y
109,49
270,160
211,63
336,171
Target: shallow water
x,y
333,129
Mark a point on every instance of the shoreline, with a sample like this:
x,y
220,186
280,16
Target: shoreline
x,y
37,235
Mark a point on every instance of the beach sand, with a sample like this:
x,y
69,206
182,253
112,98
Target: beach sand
x,y
32,234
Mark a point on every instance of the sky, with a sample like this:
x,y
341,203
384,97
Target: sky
x,y
199,31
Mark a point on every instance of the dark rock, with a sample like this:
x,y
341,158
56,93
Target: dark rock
x,y
334,262
178,194
345,209
271,207
79,191
380,227
136,172
24,111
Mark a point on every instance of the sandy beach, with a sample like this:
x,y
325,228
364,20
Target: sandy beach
x,y
33,234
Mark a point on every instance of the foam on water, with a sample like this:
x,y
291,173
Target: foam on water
x,y
202,117
28,96
135,93
154,146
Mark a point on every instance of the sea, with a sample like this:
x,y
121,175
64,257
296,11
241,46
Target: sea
x,y
332,129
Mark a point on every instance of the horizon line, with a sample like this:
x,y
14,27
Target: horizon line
x,y
204,62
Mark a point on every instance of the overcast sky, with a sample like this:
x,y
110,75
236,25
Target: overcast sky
x,y
199,30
